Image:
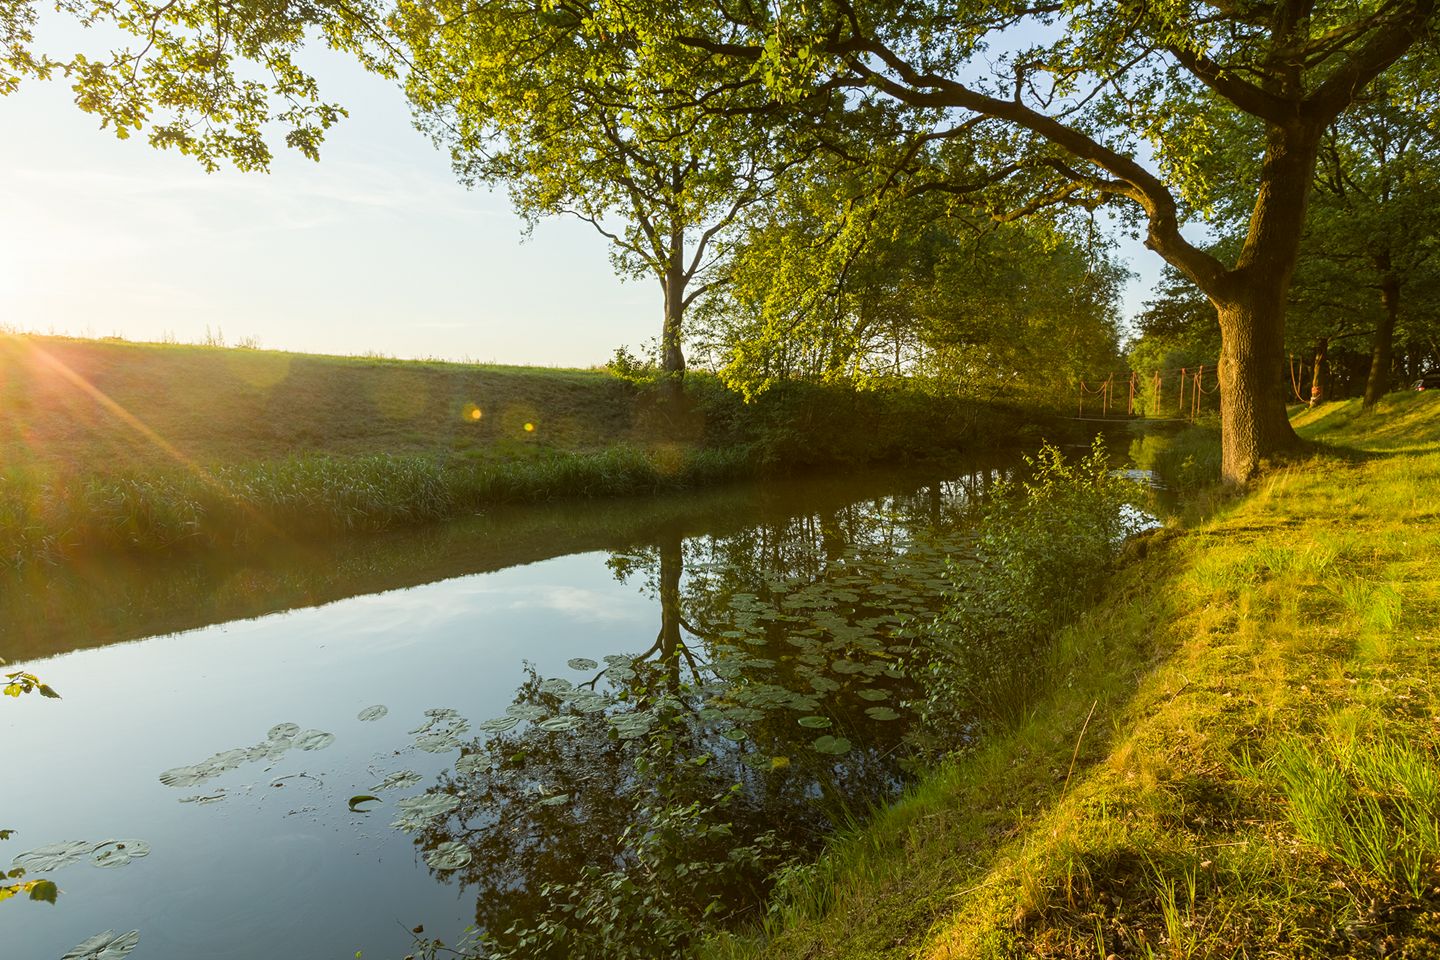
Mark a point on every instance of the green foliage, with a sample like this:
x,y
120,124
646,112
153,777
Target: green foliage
x,y
185,73
1041,548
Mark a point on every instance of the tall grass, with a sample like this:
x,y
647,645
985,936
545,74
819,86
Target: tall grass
x,y
1372,805
48,516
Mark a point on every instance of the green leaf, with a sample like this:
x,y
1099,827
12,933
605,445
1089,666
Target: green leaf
x,y
817,723
357,802
44,890
832,745
47,691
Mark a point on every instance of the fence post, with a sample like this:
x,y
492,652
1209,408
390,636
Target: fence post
x,y
1183,374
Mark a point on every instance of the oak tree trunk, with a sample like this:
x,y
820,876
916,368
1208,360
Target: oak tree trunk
x,y
1253,421
1320,379
1383,347
672,357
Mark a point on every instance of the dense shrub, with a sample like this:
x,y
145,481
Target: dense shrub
x,y
1042,546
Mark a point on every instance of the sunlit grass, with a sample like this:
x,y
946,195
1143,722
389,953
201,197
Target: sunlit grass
x,y
1259,778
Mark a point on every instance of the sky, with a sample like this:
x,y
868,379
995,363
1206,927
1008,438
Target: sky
x,y
375,249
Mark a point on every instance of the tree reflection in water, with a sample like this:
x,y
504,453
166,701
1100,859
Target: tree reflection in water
x,y
770,706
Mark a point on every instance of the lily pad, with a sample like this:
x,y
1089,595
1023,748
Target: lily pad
x,y
832,745
527,711
450,855
870,693
202,799
499,724
373,713
105,946
559,724
818,723
881,713
555,685
402,778
554,800
581,663
357,803
117,853
53,856
438,742
314,740
188,776
283,731
416,812
471,764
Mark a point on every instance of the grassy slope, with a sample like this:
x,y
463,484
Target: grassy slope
x,y
108,446
1301,620
215,405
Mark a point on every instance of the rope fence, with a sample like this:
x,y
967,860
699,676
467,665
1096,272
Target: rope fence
x,y
1152,395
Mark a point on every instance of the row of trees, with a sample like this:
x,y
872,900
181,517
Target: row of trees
x,y
811,176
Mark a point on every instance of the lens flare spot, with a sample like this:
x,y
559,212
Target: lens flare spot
x,y
472,413
475,414
529,428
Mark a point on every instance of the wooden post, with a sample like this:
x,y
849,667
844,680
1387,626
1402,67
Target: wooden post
x,y
1081,415
1183,374
1130,408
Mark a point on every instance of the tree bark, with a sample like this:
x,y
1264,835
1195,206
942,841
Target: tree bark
x,y
1319,380
672,357
1383,347
1253,421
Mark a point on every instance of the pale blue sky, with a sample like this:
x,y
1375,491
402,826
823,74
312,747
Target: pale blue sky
x,y
375,248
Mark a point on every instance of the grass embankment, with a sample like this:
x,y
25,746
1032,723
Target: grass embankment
x,y
1236,755
113,445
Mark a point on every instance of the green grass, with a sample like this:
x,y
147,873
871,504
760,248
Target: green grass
x,y
157,448
1251,708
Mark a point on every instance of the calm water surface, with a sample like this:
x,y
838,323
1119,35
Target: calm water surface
x,y
749,609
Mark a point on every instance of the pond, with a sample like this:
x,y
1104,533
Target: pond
x,y
511,692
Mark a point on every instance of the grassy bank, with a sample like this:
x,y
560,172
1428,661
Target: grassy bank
x,y
123,446
1235,754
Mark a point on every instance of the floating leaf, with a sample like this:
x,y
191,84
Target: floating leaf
x,y
777,763
527,711
581,663
403,778
190,776
44,891
105,946
589,703
554,800
555,685
881,713
832,745
443,713
117,853
472,764
559,724
438,742
202,799
373,713
357,802
499,724
846,666
818,723
283,731
870,693
53,856
450,855
314,740
416,812
735,733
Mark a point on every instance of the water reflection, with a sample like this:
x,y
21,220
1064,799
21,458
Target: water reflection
x,y
763,689
771,704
